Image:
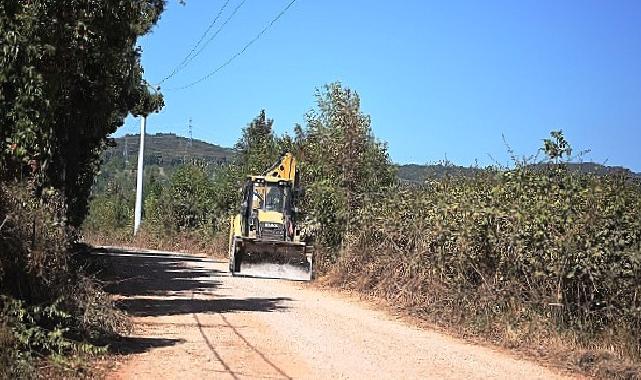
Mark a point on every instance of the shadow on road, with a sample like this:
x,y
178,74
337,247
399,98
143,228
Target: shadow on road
x,y
151,284
157,284
129,273
131,345
145,307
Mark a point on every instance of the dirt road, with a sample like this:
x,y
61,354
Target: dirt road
x,y
194,321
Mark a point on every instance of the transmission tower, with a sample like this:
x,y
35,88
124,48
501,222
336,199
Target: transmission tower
x,y
191,136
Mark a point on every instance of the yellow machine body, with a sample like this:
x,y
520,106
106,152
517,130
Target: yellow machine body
x,y
264,239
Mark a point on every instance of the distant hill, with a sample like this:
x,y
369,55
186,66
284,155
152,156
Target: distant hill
x,y
418,173
168,149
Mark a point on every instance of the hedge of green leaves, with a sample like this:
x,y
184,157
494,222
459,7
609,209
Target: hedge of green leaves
x,y
70,73
522,247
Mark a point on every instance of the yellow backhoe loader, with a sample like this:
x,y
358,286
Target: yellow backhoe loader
x,y
264,238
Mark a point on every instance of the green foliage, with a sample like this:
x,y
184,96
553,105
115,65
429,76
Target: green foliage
x,y
69,74
111,206
186,203
32,243
27,323
257,148
48,308
30,333
341,162
111,212
516,247
557,148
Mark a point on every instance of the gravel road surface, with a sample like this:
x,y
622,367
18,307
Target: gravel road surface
x,y
194,321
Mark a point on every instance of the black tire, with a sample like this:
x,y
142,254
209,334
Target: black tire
x,y
234,257
238,258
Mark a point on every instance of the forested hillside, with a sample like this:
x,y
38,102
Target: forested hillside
x,y
419,173
169,150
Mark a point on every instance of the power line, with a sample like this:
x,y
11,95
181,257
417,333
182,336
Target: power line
x,y
231,15
183,63
127,128
240,52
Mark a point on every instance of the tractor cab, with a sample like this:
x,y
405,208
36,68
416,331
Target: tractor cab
x,y
267,206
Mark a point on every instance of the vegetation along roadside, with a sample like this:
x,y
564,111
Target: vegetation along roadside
x,y
543,256
69,75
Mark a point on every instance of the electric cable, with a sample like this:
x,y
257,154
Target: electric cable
x,y
183,63
239,53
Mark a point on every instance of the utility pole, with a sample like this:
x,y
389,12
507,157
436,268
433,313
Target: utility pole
x,y
139,174
126,153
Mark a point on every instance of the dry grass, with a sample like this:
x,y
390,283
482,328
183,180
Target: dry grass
x,y
536,340
540,261
189,242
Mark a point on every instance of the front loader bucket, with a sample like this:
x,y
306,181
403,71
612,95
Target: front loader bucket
x,y
272,259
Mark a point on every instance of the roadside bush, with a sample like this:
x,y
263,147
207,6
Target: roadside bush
x,y
110,214
189,211
340,162
519,255
186,204
48,308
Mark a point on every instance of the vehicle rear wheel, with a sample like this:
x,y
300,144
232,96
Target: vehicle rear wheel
x,y
232,255
236,257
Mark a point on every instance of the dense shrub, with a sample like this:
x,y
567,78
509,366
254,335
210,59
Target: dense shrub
x,y
190,210
48,307
185,203
340,162
111,213
519,253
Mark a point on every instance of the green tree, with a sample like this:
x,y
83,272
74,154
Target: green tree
x,y
69,74
256,150
258,147
111,212
341,161
187,202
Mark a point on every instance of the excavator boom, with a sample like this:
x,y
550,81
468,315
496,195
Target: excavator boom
x,y
284,168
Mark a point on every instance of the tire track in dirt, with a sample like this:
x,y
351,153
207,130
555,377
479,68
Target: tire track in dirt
x,y
193,320
212,348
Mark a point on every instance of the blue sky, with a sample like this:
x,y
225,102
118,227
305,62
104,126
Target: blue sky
x,y
439,79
